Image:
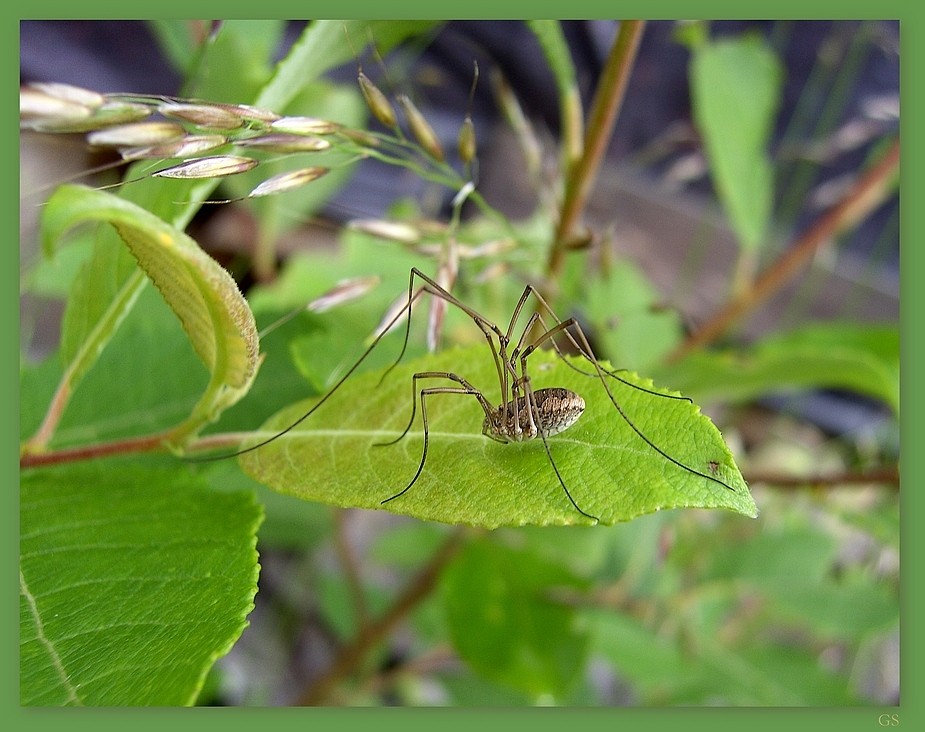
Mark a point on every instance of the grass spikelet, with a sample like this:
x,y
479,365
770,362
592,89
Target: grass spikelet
x,y
139,134
217,166
421,129
283,143
304,126
466,143
390,230
210,116
287,181
377,102
184,148
70,94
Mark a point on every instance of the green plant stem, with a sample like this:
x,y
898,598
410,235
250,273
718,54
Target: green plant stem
x,y
867,193
352,655
95,342
601,120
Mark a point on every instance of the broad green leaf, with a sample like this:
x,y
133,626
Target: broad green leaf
x,y
861,358
844,610
133,582
504,623
655,664
178,41
204,297
238,61
610,471
735,88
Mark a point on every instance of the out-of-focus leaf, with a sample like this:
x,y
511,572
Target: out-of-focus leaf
x,y
735,90
505,624
623,309
861,358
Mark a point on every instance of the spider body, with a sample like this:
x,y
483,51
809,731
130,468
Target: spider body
x,y
545,412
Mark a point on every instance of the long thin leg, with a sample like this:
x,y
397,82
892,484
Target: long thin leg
x,y
562,482
465,389
468,389
563,327
586,350
323,399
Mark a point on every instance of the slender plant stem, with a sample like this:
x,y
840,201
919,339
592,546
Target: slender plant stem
x,y
601,120
348,561
885,475
147,443
352,656
867,193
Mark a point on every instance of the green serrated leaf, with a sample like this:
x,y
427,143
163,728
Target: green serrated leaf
x,y
204,297
611,472
132,583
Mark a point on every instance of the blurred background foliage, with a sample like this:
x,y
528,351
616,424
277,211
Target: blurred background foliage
x,y
732,142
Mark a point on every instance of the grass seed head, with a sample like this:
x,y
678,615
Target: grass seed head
x,y
138,134
210,116
217,166
377,102
466,143
421,129
304,126
184,148
284,143
287,181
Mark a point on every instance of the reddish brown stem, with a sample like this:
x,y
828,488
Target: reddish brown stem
x,y
604,109
148,443
352,655
863,198
886,475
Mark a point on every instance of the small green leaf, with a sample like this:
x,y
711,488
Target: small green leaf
x,y
204,297
622,305
610,471
132,583
505,624
735,88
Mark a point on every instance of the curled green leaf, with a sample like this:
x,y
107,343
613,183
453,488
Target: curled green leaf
x,y
204,297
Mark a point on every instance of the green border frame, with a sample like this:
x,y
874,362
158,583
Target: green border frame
x,y
866,718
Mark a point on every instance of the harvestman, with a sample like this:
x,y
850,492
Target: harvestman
x,y
524,413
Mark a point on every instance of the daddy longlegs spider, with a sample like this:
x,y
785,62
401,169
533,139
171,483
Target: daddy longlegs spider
x,y
524,414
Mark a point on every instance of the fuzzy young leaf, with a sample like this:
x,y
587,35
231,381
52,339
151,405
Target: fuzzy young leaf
x,y
132,583
204,297
333,457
